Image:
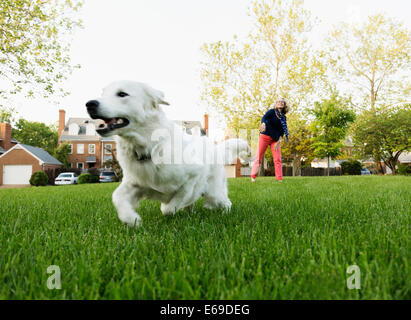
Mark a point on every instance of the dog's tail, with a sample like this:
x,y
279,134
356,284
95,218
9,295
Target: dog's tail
x,y
232,149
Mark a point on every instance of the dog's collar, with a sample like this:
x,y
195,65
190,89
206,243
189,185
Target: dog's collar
x,y
142,157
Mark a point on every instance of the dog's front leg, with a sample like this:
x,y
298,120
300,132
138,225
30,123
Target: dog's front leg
x,y
124,199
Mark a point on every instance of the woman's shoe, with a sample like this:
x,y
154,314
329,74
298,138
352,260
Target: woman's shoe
x,y
252,179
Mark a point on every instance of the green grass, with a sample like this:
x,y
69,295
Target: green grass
x,y
293,240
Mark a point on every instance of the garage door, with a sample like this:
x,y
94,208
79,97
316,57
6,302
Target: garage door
x,y
17,174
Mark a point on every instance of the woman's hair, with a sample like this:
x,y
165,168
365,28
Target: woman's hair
x,y
286,108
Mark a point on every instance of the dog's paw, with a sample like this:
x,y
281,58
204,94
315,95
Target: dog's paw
x,y
167,210
132,220
224,205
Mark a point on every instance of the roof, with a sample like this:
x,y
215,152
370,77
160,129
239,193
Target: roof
x,y
188,124
108,139
41,154
82,123
79,137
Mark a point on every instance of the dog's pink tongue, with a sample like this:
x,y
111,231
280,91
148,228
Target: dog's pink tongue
x,y
112,121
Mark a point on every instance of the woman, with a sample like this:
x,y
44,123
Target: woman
x,y
273,127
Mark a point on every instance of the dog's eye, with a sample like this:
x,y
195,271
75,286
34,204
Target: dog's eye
x,y
122,94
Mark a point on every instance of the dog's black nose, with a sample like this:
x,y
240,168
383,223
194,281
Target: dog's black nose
x,y
92,105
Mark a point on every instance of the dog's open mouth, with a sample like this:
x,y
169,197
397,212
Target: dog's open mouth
x,y
111,125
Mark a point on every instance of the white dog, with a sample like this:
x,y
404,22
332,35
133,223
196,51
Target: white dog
x,y
159,160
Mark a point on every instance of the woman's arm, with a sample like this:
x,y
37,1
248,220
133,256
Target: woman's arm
x,y
277,144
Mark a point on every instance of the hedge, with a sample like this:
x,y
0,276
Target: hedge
x,y
404,169
88,178
39,178
351,167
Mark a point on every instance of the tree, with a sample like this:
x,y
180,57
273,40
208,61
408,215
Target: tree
x,y
7,114
35,44
332,118
299,146
114,165
371,59
385,132
62,153
36,134
242,79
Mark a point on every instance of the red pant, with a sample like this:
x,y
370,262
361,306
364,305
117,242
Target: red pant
x,y
263,142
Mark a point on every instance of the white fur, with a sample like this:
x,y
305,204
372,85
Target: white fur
x,y
179,172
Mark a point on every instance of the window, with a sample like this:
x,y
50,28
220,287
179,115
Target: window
x,y
91,148
71,148
70,165
80,148
107,148
80,165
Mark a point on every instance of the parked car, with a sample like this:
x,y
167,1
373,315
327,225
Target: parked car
x,y
66,178
107,176
365,171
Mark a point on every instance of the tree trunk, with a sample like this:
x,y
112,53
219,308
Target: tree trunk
x,y
392,163
296,166
377,161
328,171
372,98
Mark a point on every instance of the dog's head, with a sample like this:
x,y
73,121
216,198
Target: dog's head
x,y
124,104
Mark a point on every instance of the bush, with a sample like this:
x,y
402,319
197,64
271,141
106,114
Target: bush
x,y
351,167
39,178
88,178
404,169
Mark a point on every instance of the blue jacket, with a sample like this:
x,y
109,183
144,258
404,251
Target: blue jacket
x,y
275,127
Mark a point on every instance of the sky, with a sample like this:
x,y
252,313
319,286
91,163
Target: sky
x,y
158,42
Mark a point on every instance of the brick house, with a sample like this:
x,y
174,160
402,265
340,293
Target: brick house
x,y
90,150
19,161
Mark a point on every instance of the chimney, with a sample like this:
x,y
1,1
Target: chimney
x,y
206,123
5,136
62,121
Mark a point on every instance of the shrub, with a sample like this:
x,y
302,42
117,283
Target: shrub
x,y
95,179
39,178
404,169
87,178
351,167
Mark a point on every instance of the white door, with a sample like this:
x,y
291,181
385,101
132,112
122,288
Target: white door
x,y
17,174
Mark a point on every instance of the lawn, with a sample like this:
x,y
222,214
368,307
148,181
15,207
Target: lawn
x,y
293,240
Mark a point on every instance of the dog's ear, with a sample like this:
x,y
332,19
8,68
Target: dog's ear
x,y
157,96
